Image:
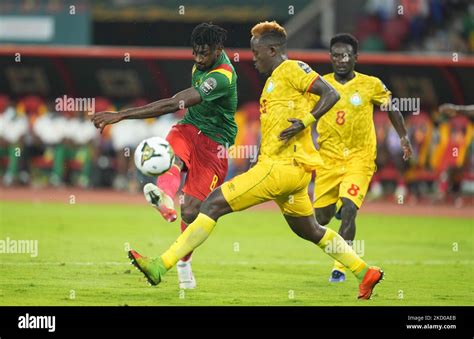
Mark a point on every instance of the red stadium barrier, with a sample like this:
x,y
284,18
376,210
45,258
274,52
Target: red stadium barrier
x,y
243,54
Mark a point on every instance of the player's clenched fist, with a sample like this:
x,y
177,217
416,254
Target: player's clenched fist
x,y
406,147
102,119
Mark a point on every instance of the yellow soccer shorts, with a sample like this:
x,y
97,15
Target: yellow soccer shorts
x,y
335,182
286,184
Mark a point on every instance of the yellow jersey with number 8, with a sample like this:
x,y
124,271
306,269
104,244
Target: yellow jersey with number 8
x,y
346,132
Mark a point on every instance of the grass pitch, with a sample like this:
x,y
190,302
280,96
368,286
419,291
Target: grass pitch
x,y
252,258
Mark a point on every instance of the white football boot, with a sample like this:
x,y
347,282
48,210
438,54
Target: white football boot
x,y
161,201
185,275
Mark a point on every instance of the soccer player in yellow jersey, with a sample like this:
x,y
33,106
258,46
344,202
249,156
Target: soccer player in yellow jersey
x,y
347,142
283,170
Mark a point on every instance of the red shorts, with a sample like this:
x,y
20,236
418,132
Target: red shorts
x,y
199,153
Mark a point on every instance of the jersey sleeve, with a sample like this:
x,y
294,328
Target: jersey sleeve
x,y
381,95
301,76
214,85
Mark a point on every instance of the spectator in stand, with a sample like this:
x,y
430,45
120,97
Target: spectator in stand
x,y
23,143
451,110
13,128
49,129
453,152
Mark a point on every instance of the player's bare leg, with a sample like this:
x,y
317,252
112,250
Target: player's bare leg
x,y
189,211
332,244
161,196
348,215
211,209
325,214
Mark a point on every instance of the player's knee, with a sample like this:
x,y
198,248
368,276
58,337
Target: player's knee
x,y
189,213
349,209
322,218
215,205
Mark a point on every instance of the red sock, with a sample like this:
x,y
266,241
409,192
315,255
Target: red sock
x,y
170,181
183,228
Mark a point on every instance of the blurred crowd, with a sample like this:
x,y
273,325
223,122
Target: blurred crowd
x,y
417,25
42,147
442,165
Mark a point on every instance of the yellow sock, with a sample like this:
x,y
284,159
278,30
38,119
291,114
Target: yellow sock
x,y
196,233
338,205
335,246
338,266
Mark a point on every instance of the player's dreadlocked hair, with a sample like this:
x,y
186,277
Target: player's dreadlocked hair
x,y
345,38
208,34
270,33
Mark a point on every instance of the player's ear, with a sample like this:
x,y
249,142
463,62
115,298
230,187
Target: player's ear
x,y
355,57
272,51
219,50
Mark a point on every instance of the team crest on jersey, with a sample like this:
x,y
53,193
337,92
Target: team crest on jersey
x,y
356,99
208,86
270,86
304,67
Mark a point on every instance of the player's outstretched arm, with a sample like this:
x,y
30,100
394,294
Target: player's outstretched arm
x,y
328,97
187,98
451,110
398,123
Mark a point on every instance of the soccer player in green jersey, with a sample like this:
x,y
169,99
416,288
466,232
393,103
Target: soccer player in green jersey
x,y
197,139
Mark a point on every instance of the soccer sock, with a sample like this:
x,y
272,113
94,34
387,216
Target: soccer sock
x,y
335,246
169,182
338,205
183,228
196,233
339,267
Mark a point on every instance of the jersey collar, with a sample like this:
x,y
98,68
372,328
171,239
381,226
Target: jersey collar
x,y
337,82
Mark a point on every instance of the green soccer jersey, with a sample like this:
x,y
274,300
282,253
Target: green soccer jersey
x,y
214,116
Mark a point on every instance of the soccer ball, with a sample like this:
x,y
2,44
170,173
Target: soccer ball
x,y
154,156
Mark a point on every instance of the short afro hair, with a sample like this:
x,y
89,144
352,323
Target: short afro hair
x,y
345,38
208,34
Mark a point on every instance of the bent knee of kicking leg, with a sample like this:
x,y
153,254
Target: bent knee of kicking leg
x,y
322,218
215,205
189,213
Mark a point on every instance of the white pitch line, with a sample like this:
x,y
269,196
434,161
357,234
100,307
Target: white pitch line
x,y
250,263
